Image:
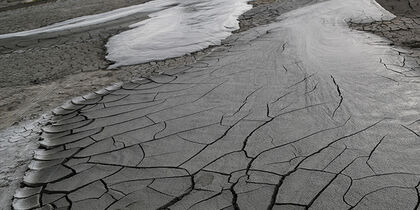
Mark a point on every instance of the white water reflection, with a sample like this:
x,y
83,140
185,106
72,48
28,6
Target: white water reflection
x,y
188,27
175,28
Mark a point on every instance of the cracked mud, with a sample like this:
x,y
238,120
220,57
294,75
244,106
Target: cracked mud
x,y
255,124
41,72
252,125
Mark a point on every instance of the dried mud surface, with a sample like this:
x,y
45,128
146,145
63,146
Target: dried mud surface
x,y
253,125
42,72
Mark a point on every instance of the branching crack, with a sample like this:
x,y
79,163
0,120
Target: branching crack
x,y
339,94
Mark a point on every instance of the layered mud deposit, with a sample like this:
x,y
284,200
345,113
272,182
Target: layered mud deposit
x,y
404,30
301,113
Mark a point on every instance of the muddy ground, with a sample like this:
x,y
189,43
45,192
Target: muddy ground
x,y
40,73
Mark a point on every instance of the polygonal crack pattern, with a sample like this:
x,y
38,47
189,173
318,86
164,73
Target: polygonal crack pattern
x,y
230,132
